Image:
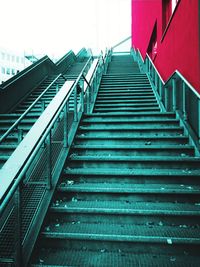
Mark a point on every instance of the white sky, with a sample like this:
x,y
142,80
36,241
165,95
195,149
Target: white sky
x,y
54,27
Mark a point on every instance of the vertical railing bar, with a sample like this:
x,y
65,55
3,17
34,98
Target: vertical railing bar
x,y
20,135
174,93
75,104
184,101
65,125
49,161
17,229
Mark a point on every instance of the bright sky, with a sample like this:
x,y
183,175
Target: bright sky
x,y
54,27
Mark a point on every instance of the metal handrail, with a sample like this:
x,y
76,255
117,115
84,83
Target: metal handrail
x,y
16,123
172,98
25,71
18,179
176,72
153,66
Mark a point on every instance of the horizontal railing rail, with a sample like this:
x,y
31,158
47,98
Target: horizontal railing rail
x,y
176,94
38,160
25,71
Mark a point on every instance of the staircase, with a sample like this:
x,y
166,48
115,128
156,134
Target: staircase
x,y
129,194
7,120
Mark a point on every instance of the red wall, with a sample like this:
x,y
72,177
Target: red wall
x,y
179,48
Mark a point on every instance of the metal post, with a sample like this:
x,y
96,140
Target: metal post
x,y
75,104
49,167
65,124
160,91
184,101
156,80
57,88
17,230
82,98
166,98
198,120
20,135
43,105
174,93
88,99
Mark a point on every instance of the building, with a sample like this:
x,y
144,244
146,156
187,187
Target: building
x,y
11,63
169,31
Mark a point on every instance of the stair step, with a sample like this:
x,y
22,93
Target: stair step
x,y
126,109
144,162
123,233
127,188
61,257
129,150
127,172
126,208
140,140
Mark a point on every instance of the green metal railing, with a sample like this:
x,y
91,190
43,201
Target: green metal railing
x,y
176,95
30,175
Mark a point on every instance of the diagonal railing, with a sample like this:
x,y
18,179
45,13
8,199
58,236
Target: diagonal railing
x,y
176,94
29,177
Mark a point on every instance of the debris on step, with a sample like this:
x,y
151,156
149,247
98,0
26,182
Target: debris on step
x,y
70,182
74,199
169,241
148,143
172,259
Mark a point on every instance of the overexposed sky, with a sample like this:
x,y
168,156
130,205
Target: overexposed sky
x,y
54,27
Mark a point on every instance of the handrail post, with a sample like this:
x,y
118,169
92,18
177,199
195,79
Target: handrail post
x,y
65,124
160,91
174,89
82,98
198,120
166,97
49,167
75,104
17,230
42,105
184,101
20,135
57,87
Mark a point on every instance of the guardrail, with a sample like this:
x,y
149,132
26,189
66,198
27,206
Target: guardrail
x,y
30,175
176,94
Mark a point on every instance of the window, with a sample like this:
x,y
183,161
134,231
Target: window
x,y
17,59
8,71
13,72
168,7
13,58
153,44
2,55
2,70
8,57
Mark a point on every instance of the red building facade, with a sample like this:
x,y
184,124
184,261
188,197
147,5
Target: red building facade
x,y
169,31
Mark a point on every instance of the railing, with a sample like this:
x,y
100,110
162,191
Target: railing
x,y
176,94
29,176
